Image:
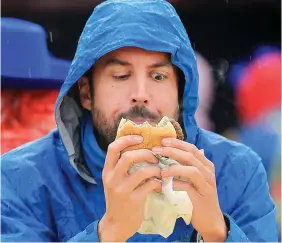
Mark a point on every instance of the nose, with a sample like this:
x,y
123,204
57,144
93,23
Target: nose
x,y
140,95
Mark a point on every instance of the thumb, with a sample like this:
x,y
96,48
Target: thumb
x,y
146,188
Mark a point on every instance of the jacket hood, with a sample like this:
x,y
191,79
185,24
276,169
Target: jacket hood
x,y
152,25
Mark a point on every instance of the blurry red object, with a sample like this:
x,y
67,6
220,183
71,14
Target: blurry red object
x,y
259,90
26,115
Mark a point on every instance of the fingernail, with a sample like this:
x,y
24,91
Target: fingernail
x,y
166,142
157,149
138,138
158,179
156,161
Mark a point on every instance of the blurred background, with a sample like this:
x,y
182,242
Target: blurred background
x,y
238,46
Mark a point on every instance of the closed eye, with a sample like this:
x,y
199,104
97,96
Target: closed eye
x,y
121,77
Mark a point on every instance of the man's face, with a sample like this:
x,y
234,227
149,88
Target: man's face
x,y
135,84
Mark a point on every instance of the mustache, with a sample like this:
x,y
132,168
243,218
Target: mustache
x,y
138,111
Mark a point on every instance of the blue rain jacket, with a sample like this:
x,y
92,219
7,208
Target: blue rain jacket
x,y
52,188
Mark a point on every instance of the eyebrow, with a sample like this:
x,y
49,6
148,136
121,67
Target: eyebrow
x,y
116,61
165,63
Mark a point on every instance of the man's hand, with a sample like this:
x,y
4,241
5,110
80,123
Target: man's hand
x,y
207,217
126,194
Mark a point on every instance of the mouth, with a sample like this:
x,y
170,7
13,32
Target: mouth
x,y
140,121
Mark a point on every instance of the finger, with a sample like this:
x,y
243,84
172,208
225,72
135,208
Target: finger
x,y
140,177
189,172
116,147
179,185
129,157
188,147
187,158
143,191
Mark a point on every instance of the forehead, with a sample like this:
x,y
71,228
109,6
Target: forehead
x,y
133,54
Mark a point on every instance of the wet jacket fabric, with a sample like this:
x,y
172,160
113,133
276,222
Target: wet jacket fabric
x,y
52,188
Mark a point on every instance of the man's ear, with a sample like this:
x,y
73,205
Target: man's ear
x,y
84,93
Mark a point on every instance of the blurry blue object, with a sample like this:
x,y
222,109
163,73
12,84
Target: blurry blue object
x,y
26,61
263,50
235,73
263,140
237,70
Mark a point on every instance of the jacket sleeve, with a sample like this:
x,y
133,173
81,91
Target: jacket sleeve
x,y
90,234
254,216
19,224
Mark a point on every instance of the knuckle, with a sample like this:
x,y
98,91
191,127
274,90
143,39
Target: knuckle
x,y
154,183
147,153
213,180
150,171
119,191
194,170
108,185
142,172
211,165
173,169
190,156
168,150
193,149
156,171
112,147
107,181
126,156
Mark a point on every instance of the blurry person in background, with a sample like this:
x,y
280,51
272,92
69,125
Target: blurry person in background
x,y
206,93
257,85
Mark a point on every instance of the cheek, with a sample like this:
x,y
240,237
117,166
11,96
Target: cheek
x,y
108,99
166,99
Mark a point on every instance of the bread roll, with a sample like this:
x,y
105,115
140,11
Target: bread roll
x,y
152,135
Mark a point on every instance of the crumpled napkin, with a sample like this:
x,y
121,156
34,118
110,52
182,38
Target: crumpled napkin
x,y
162,209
